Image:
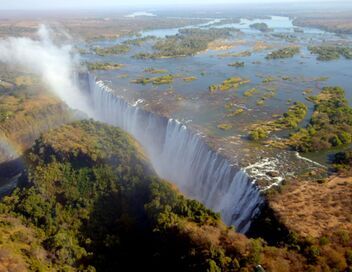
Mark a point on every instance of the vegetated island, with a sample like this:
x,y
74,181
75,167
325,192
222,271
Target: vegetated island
x,y
189,78
113,50
330,124
228,84
104,66
155,71
331,52
235,54
250,92
139,41
236,64
287,37
294,115
284,53
226,21
187,43
263,27
166,79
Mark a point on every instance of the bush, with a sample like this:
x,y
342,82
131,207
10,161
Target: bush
x,y
258,134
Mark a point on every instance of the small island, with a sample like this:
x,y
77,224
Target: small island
x,y
330,52
263,27
284,53
104,66
113,50
167,79
236,64
187,42
230,83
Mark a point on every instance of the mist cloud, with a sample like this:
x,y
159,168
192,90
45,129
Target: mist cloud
x,y
54,64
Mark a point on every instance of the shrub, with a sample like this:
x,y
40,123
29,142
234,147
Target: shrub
x,y
258,134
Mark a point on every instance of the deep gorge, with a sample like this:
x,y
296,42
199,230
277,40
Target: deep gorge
x,y
181,155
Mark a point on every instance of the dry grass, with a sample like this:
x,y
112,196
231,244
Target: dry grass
x,y
313,209
224,44
260,46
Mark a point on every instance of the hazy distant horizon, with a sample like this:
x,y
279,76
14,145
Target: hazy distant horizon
x,y
89,4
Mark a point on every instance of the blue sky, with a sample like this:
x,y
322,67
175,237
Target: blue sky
x,y
52,4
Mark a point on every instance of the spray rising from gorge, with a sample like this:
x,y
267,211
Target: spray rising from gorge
x,y
54,64
177,153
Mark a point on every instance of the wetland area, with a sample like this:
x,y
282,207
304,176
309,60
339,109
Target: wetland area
x,y
224,77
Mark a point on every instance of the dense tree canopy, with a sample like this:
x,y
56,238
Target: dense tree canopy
x,y
330,124
91,202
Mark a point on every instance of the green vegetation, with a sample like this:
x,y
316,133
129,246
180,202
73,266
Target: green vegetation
x,y
24,115
9,106
104,66
238,54
268,79
236,64
188,42
94,199
287,37
113,50
331,52
258,134
269,94
263,27
234,112
330,124
138,41
250,92
230,83
290,119
143,55
26,110
155,71
224,126
287,52
6,85
286,78
190,78
226,21
307,91
92,203
167,79
260,102
21,246
343,161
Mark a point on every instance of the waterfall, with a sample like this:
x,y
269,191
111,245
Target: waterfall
x,y
181,155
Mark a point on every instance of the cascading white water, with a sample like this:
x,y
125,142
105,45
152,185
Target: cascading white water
x,y
180,155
